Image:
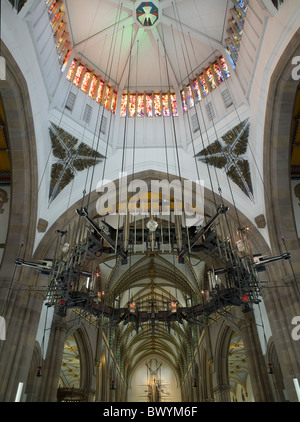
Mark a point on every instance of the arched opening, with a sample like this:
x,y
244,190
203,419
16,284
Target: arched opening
x,y
238,371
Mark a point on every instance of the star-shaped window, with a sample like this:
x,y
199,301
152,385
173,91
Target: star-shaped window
x,y
70,159
228,153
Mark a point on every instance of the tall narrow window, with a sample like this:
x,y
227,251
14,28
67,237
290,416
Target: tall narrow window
x,y
140,106
87,114
132,105
190,98
86,81
157,105
224,67
165,105
211,79
149,105
70,101
114,102
210,111
196,90
93,87
103,125
203,84
227,98
72,70
107,97
183,100
124,102
100,92
195,123
218,72
174,104
78,75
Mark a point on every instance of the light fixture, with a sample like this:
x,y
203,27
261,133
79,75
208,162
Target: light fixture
x,y
38,371
195,385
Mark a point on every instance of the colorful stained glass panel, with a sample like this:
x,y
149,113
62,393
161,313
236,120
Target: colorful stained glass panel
x,y
78,75
218,72
100,92
140,109
114,102
165,105
189,96
210,78
224,67
132,105
124,102
157,105
107,97
197,91
72,70
149,105
93,87
203,84
174,105
86,81
183,101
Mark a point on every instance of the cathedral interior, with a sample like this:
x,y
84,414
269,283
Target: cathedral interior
x,y
132,276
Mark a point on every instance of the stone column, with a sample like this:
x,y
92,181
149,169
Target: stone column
x,y
282,305
52,365
257,366
222,393
22,313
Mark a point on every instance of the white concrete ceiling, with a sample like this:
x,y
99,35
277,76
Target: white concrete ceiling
x,y
107,34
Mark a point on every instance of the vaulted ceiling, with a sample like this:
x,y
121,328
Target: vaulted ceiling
x,y
147,44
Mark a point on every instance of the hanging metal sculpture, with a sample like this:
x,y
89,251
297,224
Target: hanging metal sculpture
x,y
69,272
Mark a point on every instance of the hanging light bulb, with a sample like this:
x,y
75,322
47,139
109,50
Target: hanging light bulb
x,y
270,365
38,371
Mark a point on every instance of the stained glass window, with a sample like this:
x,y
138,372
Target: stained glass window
x,y
196,90
149,105
124,102
51,8
224,67
72,70
140,106
56,20
218,72
189,96
66,59
60,30
100,92
86,81
165,105
174,105
183,100
157,105
78,75
203,84
211,79
243,4
107,97
114,102
93,87
132,105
